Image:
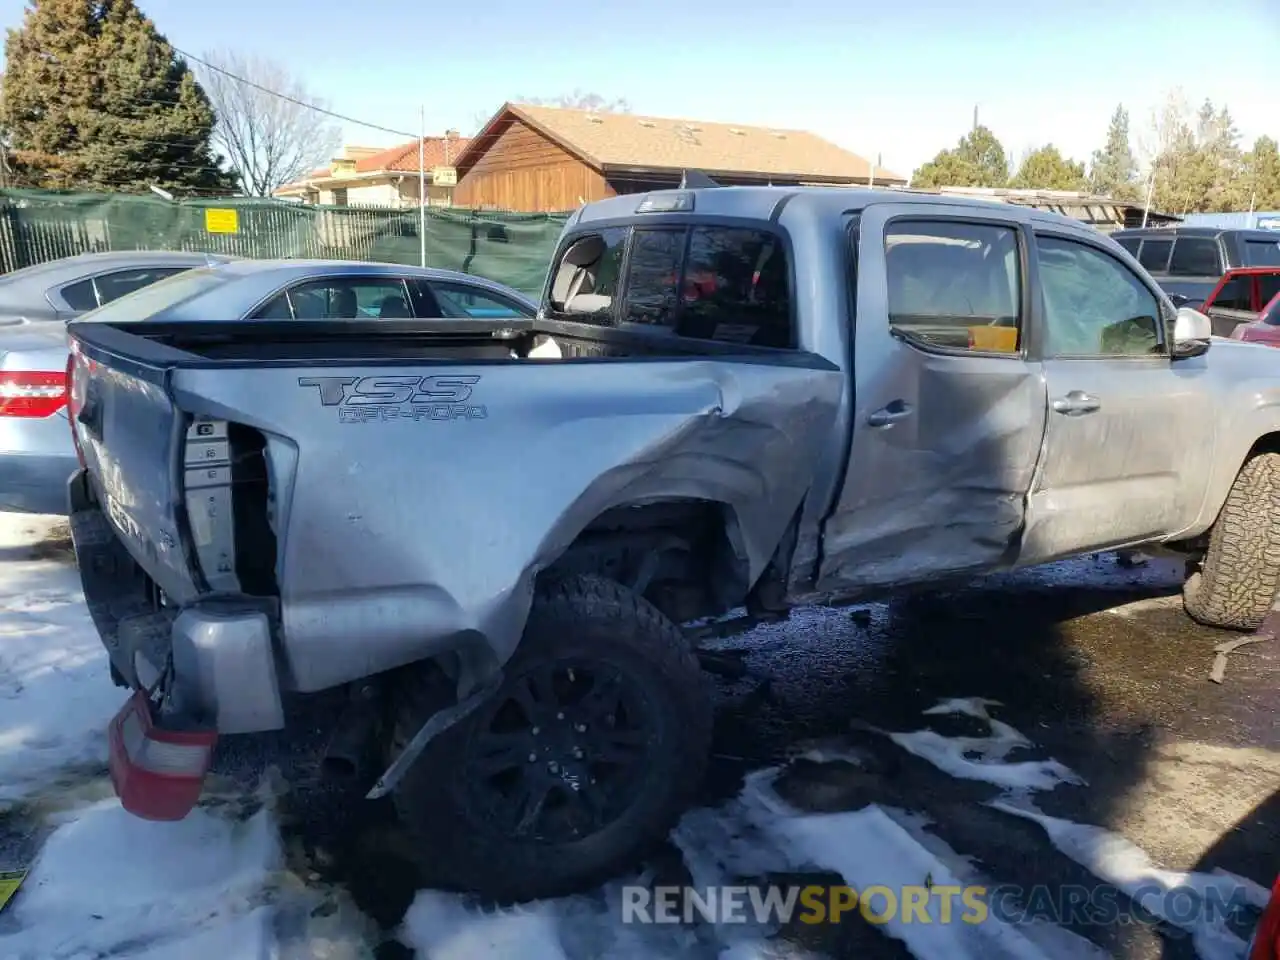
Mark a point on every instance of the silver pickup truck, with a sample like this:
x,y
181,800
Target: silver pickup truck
x,y
495,535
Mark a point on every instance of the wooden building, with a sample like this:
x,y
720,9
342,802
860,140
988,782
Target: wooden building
x,y
549,159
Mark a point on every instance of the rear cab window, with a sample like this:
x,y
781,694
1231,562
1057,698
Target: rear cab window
x,y
1154,255
1196,257
1262,253
702,281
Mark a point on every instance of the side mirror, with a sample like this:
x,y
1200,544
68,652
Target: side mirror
x,y
1192,331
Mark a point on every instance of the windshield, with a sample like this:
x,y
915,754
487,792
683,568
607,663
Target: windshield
x,y
145,303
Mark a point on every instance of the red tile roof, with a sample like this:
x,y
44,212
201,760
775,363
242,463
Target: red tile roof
x,y
403,158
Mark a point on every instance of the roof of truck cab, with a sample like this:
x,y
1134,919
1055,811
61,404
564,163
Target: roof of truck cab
x,y
760,203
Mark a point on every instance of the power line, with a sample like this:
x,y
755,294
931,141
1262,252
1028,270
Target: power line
x,y
284,96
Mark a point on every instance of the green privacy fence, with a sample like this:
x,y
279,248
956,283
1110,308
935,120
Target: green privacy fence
x,y
511,248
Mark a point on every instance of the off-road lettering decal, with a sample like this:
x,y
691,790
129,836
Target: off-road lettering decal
x,y
404,397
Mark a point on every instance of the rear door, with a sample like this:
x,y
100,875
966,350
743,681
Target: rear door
x,y
948,409
1129,437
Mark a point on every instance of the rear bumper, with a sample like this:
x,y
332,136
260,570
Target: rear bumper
x,y
214,658
36,458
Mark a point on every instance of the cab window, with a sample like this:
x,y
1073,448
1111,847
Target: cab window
x,y
1094,305
955,285
587,276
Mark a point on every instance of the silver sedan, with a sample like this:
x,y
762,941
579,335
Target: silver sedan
x,y
36,452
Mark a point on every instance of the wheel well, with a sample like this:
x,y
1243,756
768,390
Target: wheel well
x,y
678,554
1267,443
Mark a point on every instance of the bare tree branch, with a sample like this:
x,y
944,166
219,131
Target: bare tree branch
x,y
581,100
269,140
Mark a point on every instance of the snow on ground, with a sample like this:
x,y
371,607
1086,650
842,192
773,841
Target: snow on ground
x,y
55,694
216,884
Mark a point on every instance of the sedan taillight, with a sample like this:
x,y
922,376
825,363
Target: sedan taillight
x,y
28,393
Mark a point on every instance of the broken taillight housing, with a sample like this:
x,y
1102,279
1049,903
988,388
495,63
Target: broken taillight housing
x,y
32,393
157,773
1266,939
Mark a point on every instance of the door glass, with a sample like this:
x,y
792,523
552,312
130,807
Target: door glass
x,y
1131,244
954,285
342,298
461,301
1195,257
1094,305
1155,254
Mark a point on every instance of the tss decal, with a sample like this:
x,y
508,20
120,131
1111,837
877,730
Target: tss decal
x,y
408,397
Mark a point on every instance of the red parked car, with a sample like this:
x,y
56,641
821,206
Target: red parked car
x,y
1266,329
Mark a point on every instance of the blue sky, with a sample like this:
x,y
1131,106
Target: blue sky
x,y
896,78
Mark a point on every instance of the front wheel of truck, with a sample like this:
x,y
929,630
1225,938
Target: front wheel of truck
x,y
1237,580
581,762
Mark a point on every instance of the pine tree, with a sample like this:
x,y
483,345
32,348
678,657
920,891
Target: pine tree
x,y
978,160
96,99
1113,169
1047,169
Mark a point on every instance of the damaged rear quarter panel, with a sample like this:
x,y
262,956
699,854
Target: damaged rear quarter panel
x,y
406,531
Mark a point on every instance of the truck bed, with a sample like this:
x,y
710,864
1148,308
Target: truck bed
x,y
386,490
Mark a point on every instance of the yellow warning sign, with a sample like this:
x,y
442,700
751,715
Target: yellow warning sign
x,y
217,220
10,881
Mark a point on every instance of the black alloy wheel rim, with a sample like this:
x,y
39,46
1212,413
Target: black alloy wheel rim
x,y
561,754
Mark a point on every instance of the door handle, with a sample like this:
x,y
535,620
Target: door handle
x,y
1076,403
890,414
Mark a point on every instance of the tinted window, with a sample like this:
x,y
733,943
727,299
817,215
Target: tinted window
x,y
1268,288
460,300
1155,254
1131,244
1094,304
736,286
1262,253
653,276
113,286
1196,257
80,295
1234,295
341,298
586,278
955,285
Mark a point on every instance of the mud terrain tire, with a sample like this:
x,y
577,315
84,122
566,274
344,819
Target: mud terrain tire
x,y
462,844
1237,582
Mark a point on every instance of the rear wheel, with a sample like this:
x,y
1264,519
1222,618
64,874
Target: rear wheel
x,y
583,759
1237,581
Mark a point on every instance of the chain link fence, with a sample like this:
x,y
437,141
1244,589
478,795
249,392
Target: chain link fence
x,y
511,248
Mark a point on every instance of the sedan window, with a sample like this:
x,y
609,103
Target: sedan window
x,y
464,301
341,298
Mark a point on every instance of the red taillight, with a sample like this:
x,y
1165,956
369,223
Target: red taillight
x,y
27,393
75,400
157,774
1266,939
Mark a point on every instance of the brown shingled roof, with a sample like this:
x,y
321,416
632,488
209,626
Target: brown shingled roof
x,y
616,140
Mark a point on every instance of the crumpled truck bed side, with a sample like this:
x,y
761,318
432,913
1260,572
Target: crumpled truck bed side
x,y
407,528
